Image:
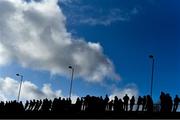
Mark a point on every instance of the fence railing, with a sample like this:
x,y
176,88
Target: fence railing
x,y
156,108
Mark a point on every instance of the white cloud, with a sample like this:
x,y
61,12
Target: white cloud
x,y
34,35
9,90
130,90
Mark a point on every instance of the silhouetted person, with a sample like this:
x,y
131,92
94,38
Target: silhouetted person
x,y
169,102
93,105
162,102
87,103
143,103
176,103
102,104
78,105
54,105
139,102
2,104
20,107
132,102
39,105
60,107
34,103
106,100
126,100
149,104
68,104
116,103
84,104
30,104
121,105
110,105
26,104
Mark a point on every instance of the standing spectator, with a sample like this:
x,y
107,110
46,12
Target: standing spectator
x,y
39,105
110,105
31,105
132,101
176,103
26,104
116,103
143,103
55,105
149,105
126,100
139,102
78,105
121,105
163,104
86,102
2,106
169,102
106,100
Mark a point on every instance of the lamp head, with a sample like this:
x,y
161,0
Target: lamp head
x,y
70,67
17,74
151,56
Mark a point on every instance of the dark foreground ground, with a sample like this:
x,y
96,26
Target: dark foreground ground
x,y
85,115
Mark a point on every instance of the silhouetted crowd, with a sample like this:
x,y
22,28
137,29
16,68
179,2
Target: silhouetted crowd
x,y
93,104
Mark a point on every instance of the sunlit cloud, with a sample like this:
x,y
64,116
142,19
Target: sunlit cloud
x,y
34,35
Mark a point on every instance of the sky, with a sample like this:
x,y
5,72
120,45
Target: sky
x,y
107,42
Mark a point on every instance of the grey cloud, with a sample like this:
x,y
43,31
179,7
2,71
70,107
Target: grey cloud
x,y
6,8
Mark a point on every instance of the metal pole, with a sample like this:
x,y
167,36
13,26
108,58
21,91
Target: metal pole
x,y
152,75
20,87
71,82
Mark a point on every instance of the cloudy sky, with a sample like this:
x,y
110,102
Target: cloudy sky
x,y
106,42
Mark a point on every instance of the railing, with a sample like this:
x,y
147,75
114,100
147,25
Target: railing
x,y
156,108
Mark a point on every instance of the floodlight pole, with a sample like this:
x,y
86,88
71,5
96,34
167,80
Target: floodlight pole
x,y
19,86
72,74
152,74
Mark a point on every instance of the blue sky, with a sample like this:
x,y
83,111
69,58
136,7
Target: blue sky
x,y
124,32
152,29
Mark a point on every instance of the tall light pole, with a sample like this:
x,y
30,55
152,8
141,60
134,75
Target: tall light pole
x,y
19,86
152,57
72,73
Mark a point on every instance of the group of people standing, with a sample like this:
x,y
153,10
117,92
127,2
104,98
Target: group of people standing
x,y
128,104
93,104
167,104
